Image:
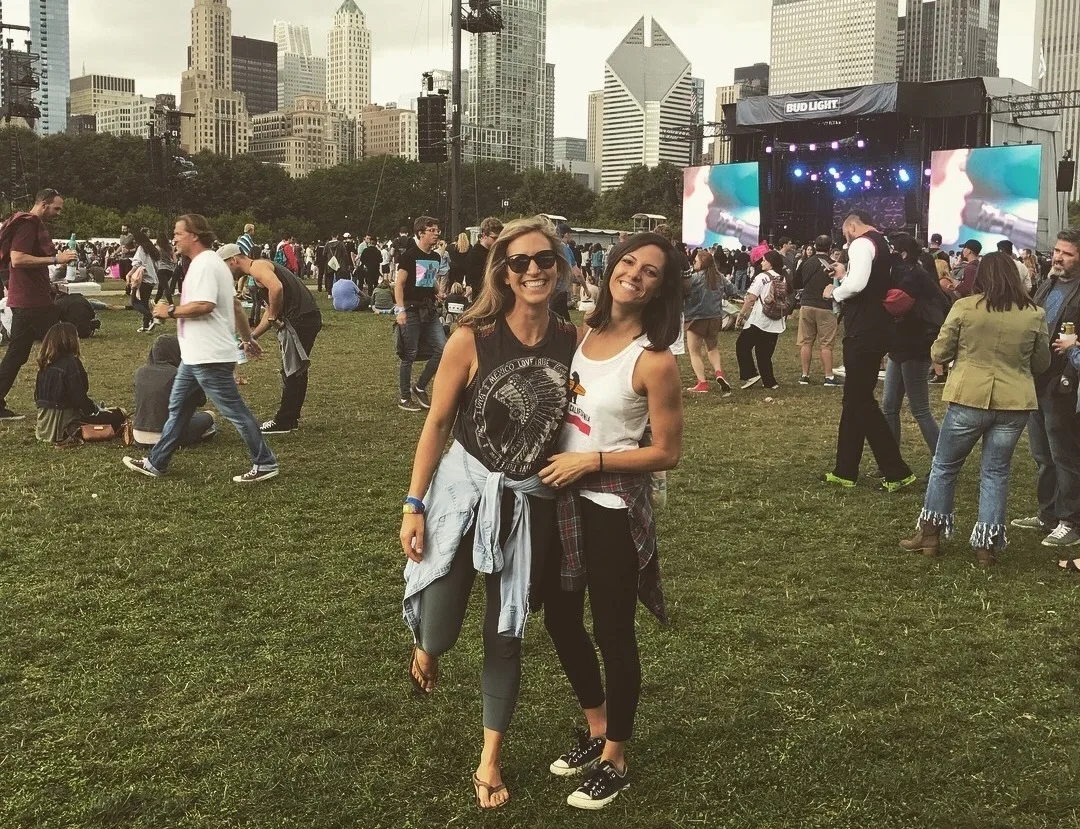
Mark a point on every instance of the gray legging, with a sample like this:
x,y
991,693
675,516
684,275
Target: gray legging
x,y
442,611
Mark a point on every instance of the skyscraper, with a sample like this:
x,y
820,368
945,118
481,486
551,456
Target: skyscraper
x,y
807,55
298,71
647,89
49,39
254,72
595,128
93,92
1058,53
220,121
945,39
753,79
511,90
292,37
348,65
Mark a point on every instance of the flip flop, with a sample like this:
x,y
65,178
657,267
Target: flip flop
x,y
419,679
1070,565
478,784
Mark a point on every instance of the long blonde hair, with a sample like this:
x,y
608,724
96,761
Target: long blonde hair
x,y
463,242
496,297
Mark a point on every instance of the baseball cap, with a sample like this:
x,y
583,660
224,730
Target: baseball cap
x,y
973,245
935,239
229,251
346,235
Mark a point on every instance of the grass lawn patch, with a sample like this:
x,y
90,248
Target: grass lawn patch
x,y
188,652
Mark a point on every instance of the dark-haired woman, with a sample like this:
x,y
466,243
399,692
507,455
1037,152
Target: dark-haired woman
x,y
623,377
907,369
503,388
759,333
999,340
143,277
703,310
166,266
62,390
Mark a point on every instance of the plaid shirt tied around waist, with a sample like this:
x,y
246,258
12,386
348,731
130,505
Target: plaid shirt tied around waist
x,y
634,491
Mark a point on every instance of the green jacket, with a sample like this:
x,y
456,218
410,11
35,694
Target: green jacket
x,y
998,354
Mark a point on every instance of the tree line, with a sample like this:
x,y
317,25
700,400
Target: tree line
x,y
110,180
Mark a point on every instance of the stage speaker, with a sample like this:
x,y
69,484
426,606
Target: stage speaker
x,y
1066,177
911,209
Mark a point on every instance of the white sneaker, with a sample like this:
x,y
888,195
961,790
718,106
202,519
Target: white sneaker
x,y
839,371
751,382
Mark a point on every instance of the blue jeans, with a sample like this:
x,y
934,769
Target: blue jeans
x,y
960,431
432,332
217,381
910,377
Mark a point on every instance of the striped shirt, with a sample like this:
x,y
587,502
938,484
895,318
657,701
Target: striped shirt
x,y
246,244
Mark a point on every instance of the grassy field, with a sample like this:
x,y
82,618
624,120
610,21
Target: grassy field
x,y
191,653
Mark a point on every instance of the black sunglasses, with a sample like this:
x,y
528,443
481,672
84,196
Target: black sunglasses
x,y
544,259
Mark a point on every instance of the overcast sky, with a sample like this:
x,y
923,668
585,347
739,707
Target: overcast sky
x,y
147,40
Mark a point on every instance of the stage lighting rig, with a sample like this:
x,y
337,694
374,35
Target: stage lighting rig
x,y
483,17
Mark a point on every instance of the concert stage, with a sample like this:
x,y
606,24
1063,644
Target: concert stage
x,y
915,156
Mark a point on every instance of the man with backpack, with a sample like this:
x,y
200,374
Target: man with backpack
x,y
817,322
867,337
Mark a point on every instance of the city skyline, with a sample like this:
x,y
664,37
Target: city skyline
x,y
579,34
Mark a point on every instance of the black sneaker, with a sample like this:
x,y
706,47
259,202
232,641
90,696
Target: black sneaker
x,y
407,404
254,475
580,759
600,788
272,427
7,414
421,397
937,380
804,380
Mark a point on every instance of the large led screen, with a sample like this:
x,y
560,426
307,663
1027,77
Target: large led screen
x,y
988,194
721,205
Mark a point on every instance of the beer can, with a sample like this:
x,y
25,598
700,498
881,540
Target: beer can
x,y
1068,329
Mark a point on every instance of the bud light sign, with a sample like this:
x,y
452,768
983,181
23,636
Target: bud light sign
x,y
824,105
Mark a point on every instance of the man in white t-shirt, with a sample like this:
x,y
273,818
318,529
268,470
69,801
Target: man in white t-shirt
x,y
208,319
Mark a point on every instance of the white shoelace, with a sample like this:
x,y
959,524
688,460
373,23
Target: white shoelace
x,y
1060,531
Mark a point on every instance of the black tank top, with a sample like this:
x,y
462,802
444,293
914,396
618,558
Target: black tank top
x,y
297,300
511,413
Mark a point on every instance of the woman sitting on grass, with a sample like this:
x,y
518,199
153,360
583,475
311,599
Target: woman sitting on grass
x,y
624,377
503,388
999,340
62,390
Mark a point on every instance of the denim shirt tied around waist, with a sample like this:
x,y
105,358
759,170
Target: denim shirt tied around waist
x,y
464,491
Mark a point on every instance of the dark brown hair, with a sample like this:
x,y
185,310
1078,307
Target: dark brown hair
x,y
197,225
423,223
60,340
661,318
708,267
999,283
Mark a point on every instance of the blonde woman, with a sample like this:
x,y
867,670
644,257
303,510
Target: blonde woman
x,y
459,254
502,389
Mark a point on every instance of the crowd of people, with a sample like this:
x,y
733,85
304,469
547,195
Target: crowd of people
x,y
558,431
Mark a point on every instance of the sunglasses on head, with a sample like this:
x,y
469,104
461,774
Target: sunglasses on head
x,y
544,259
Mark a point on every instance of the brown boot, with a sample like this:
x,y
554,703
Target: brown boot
x,y
985,558
926,541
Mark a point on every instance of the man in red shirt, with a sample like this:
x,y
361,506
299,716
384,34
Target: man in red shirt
x,y
27,251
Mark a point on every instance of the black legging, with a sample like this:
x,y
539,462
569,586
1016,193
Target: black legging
x,y
164,285
141,303
612,566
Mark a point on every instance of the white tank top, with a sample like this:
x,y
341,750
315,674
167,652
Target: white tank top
x,y
606,414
